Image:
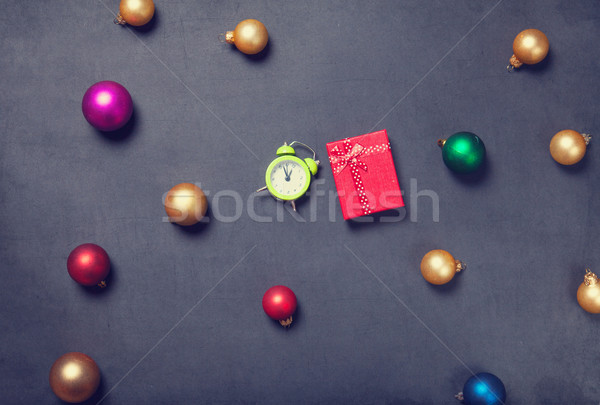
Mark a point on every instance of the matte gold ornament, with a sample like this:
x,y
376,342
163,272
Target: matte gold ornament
x,y
135,12
530,47
250,36
74,377
568,147
588,293
439,267
186,204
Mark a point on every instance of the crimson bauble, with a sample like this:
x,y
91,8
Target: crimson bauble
x,y
88,264
279,302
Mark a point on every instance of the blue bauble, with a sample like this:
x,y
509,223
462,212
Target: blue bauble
x,y
484,389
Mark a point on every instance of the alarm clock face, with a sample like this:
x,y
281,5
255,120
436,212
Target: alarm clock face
x,y
287,178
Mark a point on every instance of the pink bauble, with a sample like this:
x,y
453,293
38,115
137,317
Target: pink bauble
x,y
107,106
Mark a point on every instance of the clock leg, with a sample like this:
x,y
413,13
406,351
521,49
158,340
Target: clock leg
x,y
293,204
261,189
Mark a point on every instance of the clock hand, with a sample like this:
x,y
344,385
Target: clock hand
x,y
287,174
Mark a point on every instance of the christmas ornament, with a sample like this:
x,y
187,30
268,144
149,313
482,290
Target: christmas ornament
x,y
135,12
250,36
186,204
463,152
588,293
438,266
88,264
279,302
288,177
364,174
530,47
74,377
107,106
568,147
483,389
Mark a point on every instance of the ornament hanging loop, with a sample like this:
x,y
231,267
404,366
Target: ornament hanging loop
x,y
460,396
587,138
510,68
119,20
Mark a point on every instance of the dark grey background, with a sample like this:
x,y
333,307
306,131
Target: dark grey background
x,y
527,228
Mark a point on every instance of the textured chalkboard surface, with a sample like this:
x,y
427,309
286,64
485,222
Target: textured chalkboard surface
x,y
181,321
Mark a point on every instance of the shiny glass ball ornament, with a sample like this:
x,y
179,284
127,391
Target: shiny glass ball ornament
x,y
463,152
135,12
279,303
107,105
439,267
74,377
89,265
185,204
249,36
588,293
568,147
530,47
483,389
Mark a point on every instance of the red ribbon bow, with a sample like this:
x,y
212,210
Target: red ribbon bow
x,y
350,156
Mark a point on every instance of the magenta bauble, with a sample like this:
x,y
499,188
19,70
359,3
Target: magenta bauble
x,y
107,106
88,264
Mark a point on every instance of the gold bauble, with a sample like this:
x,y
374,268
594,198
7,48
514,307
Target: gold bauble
x,y
250,36
185,204
568,147
74,377
588,293
530,46
438,266
135,12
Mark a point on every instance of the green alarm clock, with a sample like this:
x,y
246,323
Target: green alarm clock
x,y
288,177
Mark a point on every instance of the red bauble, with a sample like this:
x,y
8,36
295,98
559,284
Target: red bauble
x,y
88,264
279,302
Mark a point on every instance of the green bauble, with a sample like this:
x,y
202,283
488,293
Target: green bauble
x,y
463,152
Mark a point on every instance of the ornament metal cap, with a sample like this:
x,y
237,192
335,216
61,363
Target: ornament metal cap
x,y
514,63
459,265
119,20
590,279
229,37
587,138
286,322
441,142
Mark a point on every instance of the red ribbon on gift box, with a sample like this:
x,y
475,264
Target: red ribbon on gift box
x,y
351,157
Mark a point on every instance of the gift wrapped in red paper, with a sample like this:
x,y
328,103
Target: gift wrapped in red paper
x,y
364,174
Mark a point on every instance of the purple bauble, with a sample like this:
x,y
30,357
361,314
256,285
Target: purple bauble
x,y
107,106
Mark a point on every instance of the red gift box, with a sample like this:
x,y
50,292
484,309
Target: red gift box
x,y
364,174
